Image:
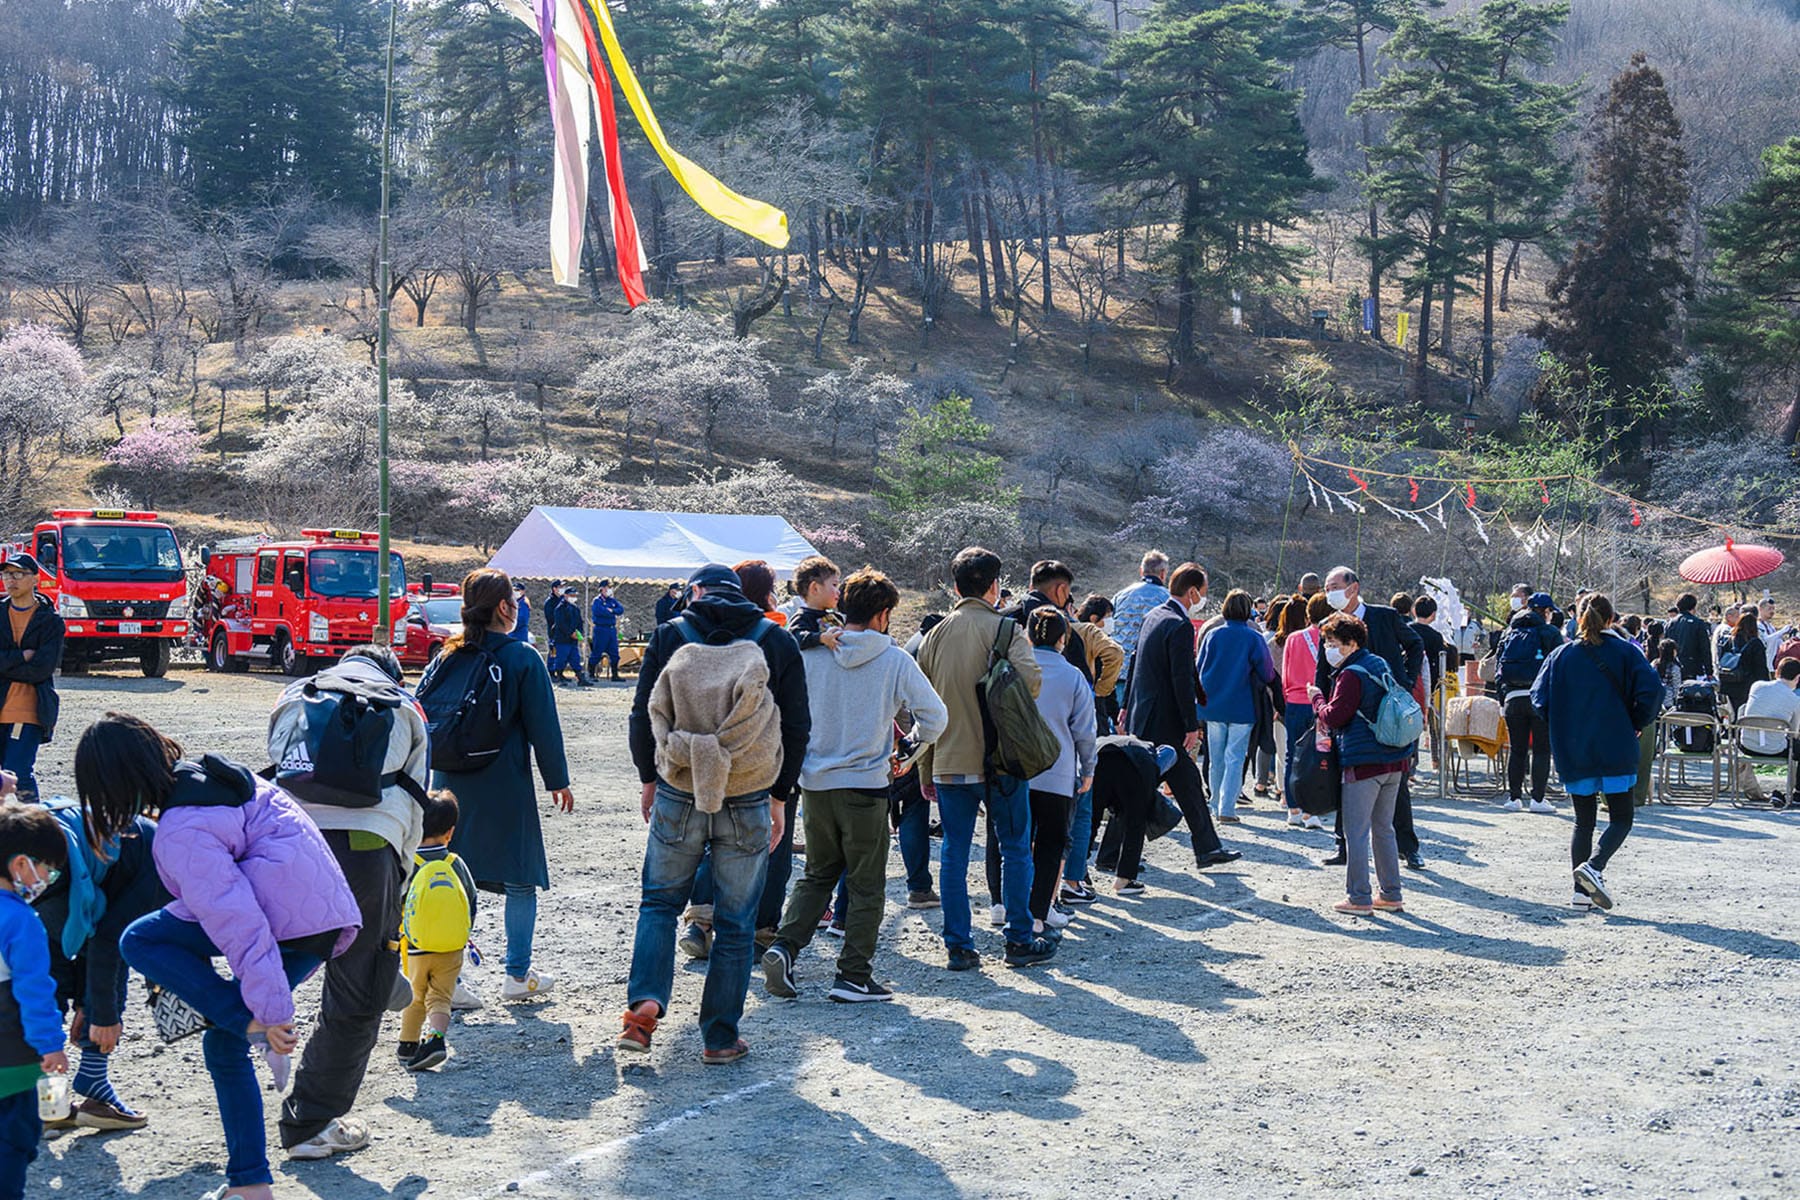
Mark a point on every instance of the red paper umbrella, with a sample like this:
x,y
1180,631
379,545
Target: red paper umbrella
x,y
1730,563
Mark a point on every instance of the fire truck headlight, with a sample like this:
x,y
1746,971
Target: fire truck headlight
x,y
71,606
318,629
178,609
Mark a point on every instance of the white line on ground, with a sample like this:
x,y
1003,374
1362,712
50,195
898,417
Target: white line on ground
x,y
602,1149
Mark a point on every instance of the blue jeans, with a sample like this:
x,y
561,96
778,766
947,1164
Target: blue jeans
x,y
915,844
18,754
20,1131
521,926
1081,837
775,882
736,839
1009,805
1298,718
1227,745
178,955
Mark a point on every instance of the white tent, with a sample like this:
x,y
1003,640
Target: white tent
x,y
643,547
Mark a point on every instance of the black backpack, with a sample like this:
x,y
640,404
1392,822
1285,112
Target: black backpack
x,y
461,696
338,760
1695,697
1521,654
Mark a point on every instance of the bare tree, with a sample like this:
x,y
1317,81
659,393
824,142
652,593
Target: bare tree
x,y
481,246
867,402
62,271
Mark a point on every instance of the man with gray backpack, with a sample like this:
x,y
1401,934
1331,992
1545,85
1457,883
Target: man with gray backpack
x,y
982,666
351,745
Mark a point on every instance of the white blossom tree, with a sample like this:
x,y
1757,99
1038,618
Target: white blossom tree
x,y
44,404
1216,486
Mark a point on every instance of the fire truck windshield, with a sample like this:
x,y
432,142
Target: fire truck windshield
x,y
141,553
350,574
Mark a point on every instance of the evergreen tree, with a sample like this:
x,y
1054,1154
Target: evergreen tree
x,y
1201,116
484,102
1756,321
268,105
1443,98
1613,304
1355,24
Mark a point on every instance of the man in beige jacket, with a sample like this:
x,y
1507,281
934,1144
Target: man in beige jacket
x,y
954,657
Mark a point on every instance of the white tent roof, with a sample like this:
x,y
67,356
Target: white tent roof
x,y
627,546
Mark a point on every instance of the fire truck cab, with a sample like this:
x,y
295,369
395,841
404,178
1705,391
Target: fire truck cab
x,y
294,605
118,582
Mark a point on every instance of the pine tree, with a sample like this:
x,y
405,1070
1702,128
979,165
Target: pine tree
x,y
484,101
1442,98
269,106
1755,323
1613,304
1201,116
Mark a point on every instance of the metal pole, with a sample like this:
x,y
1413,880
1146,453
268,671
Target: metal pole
x,y
384,584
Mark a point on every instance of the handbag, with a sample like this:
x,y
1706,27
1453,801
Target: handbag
x,y
1164,816
175,1018
1315,780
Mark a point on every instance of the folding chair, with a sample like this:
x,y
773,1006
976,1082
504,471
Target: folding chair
x,y
1680,790
1787,731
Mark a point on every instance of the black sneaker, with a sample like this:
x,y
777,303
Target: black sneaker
x,y
963,959
1081,893
1415,861
778,972
405,1052
432,1052
1026,954
1336,860
848,991
1218,858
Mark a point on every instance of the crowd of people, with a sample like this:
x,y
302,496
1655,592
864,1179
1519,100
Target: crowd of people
x,y
1068,730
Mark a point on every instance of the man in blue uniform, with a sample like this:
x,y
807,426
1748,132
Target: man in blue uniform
x,y
562,617
606,613
521,630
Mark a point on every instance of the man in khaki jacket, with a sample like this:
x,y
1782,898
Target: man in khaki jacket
x,y
954,657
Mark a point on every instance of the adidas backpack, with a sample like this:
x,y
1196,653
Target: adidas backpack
x,y
435,919
337,748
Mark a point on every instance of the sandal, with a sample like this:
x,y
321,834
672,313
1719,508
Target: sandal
x,y
638,1028
730,1054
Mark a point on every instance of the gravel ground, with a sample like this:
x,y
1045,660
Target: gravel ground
x,y
1227,1035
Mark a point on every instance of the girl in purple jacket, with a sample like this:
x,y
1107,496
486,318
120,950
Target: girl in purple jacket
x,y
254,883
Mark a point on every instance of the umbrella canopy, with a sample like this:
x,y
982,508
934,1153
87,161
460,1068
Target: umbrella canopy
x,y
1730,563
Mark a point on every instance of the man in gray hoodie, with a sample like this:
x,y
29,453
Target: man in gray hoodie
x,y
856,692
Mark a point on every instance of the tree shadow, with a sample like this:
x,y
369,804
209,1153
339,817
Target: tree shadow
x,y
1737,941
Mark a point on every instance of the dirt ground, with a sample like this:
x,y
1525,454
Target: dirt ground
x,y
1226,1035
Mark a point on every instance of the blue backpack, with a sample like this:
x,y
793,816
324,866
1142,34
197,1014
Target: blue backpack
x,y
1399,721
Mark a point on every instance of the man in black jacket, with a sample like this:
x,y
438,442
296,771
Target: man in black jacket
x,y
1692,637
1161,706
562,622
1051,583
718,610
1393,640
31,649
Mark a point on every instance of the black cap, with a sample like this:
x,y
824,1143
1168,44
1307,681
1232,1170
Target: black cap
x,y
715,575
604,583
21,562
556,585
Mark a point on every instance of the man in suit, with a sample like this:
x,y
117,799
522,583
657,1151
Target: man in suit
x,y
1162,706
1393,640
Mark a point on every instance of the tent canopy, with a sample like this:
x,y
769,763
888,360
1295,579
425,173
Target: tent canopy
x,y
627,546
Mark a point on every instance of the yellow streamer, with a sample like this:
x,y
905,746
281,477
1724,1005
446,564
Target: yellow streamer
x,y
764,222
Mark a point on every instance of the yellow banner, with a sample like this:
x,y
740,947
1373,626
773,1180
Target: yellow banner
x,y
1400,324
764,222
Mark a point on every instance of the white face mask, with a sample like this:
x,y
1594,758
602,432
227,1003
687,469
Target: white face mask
x,y
1517,603
1108,625
1338,598
1334,654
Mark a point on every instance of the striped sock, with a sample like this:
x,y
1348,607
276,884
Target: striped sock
x,y
91,1079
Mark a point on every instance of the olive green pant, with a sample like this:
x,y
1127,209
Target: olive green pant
x,y
846,835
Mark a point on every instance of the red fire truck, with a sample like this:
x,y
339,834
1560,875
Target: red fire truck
x,y
118,581
294,605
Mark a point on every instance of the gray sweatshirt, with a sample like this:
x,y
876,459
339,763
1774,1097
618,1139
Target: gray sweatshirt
x,y
1066,702
855,692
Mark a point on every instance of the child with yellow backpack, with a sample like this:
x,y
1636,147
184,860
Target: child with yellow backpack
x,y
434,928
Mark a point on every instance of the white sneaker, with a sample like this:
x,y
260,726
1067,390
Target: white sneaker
x,y
1313,823
343,1135
1542,806
997,916
1588,880
1056,918
466,999
1580,900
1294,819
534,984
1513,805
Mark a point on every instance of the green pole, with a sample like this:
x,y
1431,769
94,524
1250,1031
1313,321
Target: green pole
x,y
384,576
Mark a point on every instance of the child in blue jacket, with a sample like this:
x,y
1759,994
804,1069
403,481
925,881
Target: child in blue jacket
x,y
32,854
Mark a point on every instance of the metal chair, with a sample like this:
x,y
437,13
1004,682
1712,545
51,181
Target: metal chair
x,y
1787,731
1681,791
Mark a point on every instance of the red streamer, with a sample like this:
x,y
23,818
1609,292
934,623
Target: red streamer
x,y
625,234
1545,489
1470,501
1637,518
1412,493
1357,480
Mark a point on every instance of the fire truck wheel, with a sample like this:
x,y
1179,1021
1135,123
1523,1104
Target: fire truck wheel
x,y
155,659
220,658
288,658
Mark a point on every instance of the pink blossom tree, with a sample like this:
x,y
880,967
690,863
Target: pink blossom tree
x,y
155,455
